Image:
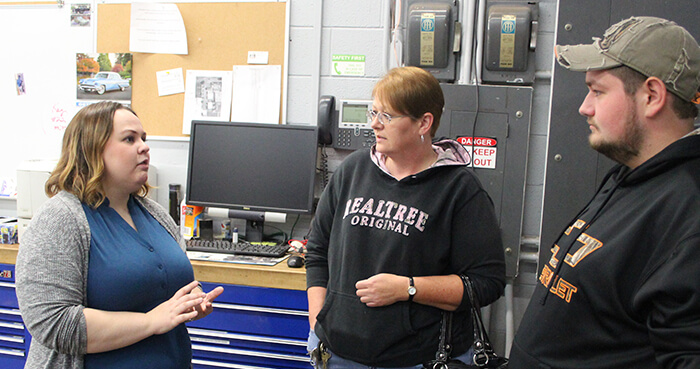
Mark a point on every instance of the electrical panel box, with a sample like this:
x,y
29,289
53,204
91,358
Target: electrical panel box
x,y
493,125
510,39
432,36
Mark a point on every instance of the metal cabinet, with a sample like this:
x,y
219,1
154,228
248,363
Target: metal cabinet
x,y
14,338
251,327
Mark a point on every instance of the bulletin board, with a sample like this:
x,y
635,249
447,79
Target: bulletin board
x,y
219,36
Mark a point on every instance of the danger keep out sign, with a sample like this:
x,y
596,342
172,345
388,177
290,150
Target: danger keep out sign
x,y
482,151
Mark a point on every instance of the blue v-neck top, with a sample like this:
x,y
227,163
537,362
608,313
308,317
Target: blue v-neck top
x,y
136,270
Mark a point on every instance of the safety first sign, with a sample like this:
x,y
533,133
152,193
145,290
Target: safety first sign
x,y
482,151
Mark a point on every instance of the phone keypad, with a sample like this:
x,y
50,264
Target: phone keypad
x,y
354,138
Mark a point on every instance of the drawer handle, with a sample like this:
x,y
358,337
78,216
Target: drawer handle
x,y
223,365
12,325
12,352
7,284
10,311
17,339
267,355
211,341
243,337
260,309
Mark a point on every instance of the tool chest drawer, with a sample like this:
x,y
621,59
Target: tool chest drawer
x,y
252,327
14,338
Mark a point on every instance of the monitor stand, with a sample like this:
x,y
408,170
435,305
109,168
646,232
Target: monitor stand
x,y
254,230
254,222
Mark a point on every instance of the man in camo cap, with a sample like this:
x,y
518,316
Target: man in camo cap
x,y
622,286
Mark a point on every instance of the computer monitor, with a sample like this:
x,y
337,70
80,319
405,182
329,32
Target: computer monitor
x,y
252,168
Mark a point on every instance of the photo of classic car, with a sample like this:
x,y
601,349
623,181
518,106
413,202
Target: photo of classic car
x,y
103,82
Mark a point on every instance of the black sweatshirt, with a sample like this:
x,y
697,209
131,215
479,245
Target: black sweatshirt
x,y
624,278
438,222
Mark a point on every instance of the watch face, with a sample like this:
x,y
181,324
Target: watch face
x,y
411,290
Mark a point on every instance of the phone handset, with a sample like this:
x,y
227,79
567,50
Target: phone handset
x,y
347,129
326,107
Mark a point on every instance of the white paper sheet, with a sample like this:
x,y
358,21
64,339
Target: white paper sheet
x,y
170,82
207,97
235,259
157,28
256,93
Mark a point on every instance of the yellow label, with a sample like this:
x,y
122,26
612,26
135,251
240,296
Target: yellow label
x,y
427,39
507,54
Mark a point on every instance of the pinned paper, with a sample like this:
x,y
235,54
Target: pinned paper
x,y
208,97
19,81
256,93
157,28
170,82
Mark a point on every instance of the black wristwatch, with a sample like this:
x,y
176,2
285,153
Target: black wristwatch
x,y
411,289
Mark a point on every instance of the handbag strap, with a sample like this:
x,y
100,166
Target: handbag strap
x,y
444,349
483,352
482,345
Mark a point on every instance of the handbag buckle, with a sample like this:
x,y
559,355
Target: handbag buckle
x,y
481,359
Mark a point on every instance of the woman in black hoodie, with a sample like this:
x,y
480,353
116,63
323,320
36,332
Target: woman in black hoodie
x,y
393,231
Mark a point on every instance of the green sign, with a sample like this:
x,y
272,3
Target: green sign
x,y
348,65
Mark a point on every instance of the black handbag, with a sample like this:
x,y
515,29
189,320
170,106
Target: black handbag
x,y
484,357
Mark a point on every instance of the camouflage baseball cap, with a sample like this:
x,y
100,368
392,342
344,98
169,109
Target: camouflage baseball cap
x,y
652,46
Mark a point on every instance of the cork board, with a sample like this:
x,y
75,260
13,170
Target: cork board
x,y
219,36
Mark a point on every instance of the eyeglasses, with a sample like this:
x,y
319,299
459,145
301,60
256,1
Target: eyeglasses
x,y
383,118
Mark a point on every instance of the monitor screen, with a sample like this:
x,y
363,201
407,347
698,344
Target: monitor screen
x,y
252,166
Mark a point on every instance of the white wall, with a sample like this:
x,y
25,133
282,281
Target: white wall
x,y
39,42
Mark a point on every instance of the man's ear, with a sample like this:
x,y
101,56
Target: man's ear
x,y
655,96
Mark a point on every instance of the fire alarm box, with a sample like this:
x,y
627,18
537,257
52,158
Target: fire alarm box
x,y
510,39
432,37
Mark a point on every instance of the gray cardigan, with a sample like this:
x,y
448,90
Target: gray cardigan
x,y
51,279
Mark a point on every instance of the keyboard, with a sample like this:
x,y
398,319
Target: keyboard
x,y
239,248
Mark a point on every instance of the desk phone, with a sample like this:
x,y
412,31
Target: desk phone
x,y
354,131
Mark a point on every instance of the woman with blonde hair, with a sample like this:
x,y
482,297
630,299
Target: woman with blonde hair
x,y
102,277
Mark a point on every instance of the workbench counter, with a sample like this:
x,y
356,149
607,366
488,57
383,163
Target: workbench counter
x,y
277,276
